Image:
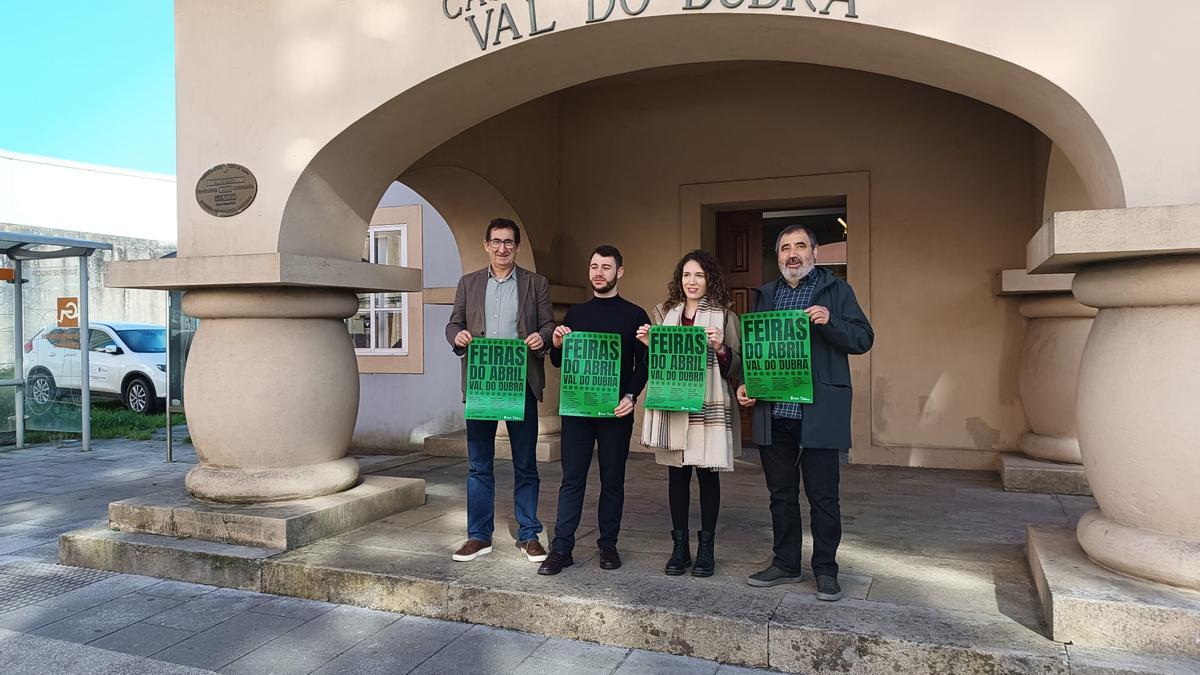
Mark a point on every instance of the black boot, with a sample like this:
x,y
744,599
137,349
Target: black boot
x,y
681,555
705,556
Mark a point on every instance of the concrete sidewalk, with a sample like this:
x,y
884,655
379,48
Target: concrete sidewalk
x,y
59,619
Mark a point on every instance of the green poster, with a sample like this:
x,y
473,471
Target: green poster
x,y
776,356
591,374
496,379
678,361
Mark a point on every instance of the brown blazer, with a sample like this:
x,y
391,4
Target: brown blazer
x,y
534,315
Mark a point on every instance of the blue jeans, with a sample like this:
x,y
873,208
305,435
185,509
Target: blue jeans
x,y
481,478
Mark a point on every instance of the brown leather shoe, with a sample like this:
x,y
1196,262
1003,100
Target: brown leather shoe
x,y
472,550
533,550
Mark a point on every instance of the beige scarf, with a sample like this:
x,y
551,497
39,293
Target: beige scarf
x,y
704,439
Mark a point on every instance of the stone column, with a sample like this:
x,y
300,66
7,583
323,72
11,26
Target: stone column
x,y
1139,386
1048,371
271,391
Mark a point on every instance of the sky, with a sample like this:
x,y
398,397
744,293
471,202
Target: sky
x,y
89,81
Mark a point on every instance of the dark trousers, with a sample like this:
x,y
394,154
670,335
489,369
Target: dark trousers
x,y
679,496
481,477
609,439
786,465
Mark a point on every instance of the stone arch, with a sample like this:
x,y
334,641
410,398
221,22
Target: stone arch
x,y
344,180
467,202
1064,189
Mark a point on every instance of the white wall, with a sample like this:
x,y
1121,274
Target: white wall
x,y
397,412
52,193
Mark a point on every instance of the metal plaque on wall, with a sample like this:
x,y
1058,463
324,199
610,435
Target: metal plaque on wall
x,y
226,190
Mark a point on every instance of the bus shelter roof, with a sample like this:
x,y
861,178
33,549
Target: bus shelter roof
x,y
22,246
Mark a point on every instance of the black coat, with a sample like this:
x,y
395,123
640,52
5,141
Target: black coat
x,y
825,423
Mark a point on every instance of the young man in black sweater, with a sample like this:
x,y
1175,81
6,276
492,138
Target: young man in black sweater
x,y
606,312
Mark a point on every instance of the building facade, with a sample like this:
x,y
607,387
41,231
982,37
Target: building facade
x,y
955,139
132,210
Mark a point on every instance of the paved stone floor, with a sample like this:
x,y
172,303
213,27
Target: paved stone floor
x,y
913,537
57,619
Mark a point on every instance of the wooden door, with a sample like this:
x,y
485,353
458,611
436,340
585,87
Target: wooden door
x,y
740,254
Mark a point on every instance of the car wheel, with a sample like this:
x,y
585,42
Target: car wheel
x,y
139,396
42,391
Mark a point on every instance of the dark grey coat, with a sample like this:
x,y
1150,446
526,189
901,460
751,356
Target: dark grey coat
x,y
826,422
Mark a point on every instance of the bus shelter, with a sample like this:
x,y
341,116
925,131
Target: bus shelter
x,y
46,408
181,328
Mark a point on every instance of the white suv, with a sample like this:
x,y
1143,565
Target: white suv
x,y
125,360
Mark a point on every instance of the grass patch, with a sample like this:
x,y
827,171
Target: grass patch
x,y
124,423
113,422
109,419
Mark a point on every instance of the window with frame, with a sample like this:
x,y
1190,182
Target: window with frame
x,y
381,324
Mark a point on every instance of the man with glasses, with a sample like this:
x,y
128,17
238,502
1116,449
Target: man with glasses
x,y
503,300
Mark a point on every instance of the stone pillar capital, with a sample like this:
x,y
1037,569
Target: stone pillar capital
x,y
270,302
1059,305
1147,282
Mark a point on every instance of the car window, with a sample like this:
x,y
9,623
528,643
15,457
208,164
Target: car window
x,y
145,340
99,340
64,338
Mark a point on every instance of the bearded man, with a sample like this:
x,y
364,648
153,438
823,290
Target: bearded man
x,y
801,442
606,437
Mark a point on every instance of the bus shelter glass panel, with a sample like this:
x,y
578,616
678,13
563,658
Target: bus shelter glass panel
x,y
8,394
50,345
181,331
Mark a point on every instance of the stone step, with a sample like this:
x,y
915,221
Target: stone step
x,y
1090,606
740,625
284,525
454,444
808,635
783,628
1020,473
1113,662
154,555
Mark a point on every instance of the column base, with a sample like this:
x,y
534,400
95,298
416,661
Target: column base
x,y
1051,448
1092,607
1141,553
1019,473
228,485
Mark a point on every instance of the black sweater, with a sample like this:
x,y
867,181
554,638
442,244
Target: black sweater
x,y
613,315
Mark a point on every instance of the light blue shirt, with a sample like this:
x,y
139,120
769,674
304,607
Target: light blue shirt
x,y
500,306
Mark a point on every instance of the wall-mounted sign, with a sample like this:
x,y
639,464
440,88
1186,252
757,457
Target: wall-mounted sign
x,y
226,190
497,21
68,313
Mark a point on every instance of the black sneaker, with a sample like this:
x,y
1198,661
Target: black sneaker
x,y
773,576
554,563
828,589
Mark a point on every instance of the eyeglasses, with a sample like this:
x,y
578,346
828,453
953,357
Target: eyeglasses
x,y
498,243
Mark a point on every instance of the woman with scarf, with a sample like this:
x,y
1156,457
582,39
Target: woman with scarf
x,y
703,441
